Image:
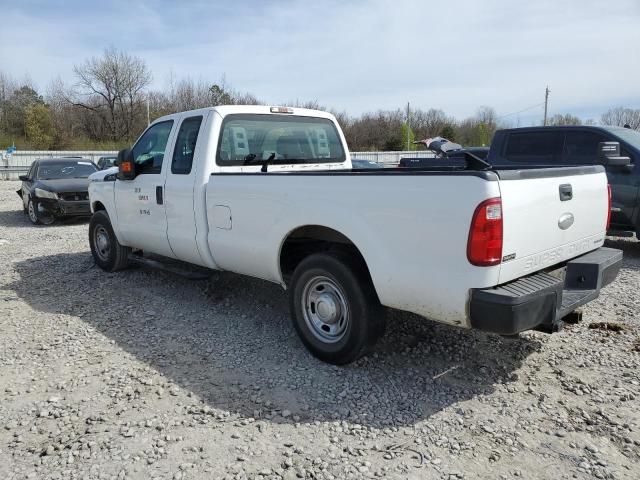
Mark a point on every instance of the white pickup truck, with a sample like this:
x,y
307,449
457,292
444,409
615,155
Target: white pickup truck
x,y
270,192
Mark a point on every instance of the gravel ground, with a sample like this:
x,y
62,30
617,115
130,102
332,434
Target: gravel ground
x,y
145,375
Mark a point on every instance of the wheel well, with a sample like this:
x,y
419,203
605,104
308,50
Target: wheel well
x,y
304,241
98,206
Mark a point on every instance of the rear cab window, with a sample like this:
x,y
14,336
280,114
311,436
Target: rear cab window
x,y
250,139
540,147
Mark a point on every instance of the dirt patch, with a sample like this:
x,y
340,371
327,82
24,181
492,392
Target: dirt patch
x,y
608,326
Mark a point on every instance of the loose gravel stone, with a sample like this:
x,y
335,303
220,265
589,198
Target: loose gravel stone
x,y
141,374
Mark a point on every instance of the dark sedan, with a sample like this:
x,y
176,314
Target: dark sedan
x,y
56,188
106,162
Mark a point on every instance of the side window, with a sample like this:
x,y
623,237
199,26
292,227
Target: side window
x,y
185,146
148,153
582,147
539,147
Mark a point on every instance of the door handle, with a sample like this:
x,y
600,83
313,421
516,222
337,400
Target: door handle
x,y
159,199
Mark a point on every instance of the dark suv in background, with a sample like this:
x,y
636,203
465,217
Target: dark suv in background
x,y
579,145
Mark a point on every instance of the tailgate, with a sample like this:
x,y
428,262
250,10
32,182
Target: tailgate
x,y
550,216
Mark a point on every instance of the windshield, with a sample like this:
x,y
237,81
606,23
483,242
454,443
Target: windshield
x,y
632,137
68,169
278,139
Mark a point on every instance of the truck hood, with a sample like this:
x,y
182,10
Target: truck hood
x,y
100,175
64,185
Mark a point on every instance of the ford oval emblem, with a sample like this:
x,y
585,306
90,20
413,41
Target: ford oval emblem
x,y
565,221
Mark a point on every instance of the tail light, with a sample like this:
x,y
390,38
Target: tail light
x,y
609,207
484,247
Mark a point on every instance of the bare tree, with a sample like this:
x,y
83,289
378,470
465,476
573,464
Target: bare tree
x,y
431,123
566,119
111,87
479,129
7,87
621,116
486,115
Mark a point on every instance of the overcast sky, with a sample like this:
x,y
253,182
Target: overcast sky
x,y
353,55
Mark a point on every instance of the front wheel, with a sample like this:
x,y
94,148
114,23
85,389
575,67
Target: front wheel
x,y
334,307
105,248
37,216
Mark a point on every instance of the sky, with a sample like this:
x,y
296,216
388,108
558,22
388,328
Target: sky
x,y
351,55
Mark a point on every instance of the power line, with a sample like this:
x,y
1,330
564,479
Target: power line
x,y
523,110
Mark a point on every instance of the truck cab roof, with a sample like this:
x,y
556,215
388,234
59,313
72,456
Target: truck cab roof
x,y
224,110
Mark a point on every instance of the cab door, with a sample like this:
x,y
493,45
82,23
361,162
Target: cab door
x,y
139,202
581,148
179,189
625,192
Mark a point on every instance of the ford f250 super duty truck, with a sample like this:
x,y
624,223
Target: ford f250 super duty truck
x,y
270,192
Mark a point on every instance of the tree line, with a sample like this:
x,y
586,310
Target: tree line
x,y
110,102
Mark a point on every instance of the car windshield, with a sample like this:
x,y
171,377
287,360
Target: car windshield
x,y
278,139
65,169
632,137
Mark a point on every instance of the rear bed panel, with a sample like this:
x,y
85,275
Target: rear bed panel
x,y
411,229
540,229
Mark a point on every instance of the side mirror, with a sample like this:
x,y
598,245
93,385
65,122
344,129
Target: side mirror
x,y
24,178
609,156
126,167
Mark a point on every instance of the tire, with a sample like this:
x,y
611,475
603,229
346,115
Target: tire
x,y
107,252
35,216
334,307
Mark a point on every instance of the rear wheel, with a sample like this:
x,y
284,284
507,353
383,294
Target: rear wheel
x,y
334,308
105,248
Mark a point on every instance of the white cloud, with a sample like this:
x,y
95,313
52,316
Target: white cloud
x,y
356,55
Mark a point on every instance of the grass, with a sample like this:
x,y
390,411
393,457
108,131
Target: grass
x,y
81,143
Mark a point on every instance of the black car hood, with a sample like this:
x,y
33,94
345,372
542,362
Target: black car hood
x,y
64,185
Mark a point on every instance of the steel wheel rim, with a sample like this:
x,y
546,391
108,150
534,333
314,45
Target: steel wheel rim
x,y
32,212
325,309
101,243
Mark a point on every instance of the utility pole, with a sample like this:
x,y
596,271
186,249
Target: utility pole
x,y
546,104
148,116
408,129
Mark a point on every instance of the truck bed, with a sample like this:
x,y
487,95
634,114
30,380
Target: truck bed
x,y
411,226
